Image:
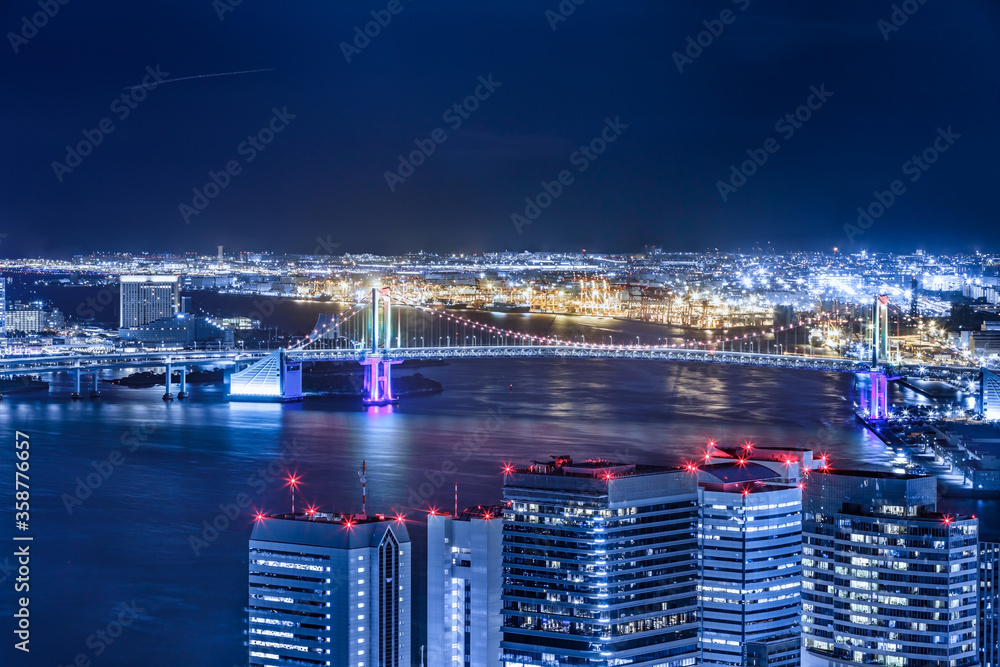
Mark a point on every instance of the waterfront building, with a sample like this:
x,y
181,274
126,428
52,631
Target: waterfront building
x,y
464,584
32,317
750,539
886,578
3,306
989,604
181,329
600,565
330,590
147,298
989,394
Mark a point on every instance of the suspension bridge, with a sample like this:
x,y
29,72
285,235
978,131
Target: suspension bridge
x,y
379,334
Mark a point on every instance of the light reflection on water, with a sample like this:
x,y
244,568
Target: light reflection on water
x,y
130,538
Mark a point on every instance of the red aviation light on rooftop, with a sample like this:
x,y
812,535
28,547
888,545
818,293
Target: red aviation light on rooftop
x,y
691,467
508,468
259,516
741,462
947,520
746,491
292,480
802,485
399,518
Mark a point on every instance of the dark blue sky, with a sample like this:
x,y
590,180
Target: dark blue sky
x,y
324,174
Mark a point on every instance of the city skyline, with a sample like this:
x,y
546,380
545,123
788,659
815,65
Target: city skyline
x,y
499,334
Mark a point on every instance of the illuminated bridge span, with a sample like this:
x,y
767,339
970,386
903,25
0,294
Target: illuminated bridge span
x,y
371,334
78,364
379,334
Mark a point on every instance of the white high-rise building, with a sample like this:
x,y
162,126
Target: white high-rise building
x,y
147,298
464,585
887,580
750,537
3,307
330,590
989,604
600,565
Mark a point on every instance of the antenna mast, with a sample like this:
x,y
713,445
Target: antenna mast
x,y
364,490
456,500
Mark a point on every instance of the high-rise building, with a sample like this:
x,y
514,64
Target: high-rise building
x,y
464,584
3,306
750,537
600,565
989,394
330,590
33,317
989,604
886,579
147,298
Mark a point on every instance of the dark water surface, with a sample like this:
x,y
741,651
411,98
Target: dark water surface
x,y
130,539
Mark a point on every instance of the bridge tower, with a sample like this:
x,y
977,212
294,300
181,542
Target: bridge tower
x,y
877,400
878,397
880,330
378,365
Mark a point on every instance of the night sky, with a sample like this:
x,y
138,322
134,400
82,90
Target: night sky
x,y
324,174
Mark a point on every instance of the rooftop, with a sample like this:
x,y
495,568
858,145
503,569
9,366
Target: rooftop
x,y
331,517
734,473
481,512
871,474
564,466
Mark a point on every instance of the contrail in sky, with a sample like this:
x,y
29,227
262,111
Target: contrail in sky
x,y
198,76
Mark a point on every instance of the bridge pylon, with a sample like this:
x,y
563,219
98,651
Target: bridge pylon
x,y
378,365
880,330
876,402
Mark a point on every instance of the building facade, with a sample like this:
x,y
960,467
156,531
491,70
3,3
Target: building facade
x,y
989,604
464,585
33,317
989,394
146,298
886,579
600,565
750,538
180,329
329,590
